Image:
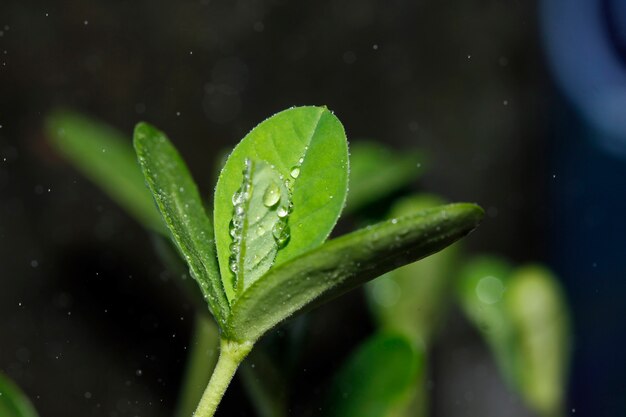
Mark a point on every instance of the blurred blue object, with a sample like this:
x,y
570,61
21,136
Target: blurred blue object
x,y
585,43
615,13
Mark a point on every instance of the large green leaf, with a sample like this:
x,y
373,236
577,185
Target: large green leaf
x,y
13,402
538,310
376,172
106,157
345,263
411,300
178,200
307,147
378,379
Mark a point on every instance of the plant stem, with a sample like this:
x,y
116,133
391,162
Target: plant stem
x,y
231,355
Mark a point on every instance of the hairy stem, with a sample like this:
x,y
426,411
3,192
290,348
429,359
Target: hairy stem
x,y
231,355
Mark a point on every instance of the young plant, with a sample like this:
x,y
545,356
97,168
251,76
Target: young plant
x,y
277,199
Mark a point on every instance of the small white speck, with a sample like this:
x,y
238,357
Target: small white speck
x,y
505,102
34,263
87,394
190,52
375,47
553,175
86,22
47,15
138,372
469,57
177,113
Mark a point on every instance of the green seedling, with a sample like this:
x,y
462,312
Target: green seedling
x,y
13,402
278,197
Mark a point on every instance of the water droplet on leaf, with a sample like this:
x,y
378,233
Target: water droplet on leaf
x,y
271,197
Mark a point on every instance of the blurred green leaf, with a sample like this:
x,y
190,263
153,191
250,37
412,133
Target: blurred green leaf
x,y
481,289
524,318
13,402
307,148
265,383
345,263
411,300
538,309
106,157
178,200
376,172
378,379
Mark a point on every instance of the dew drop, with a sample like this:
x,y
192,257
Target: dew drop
x,y
232,262
271,197
282,212
280,231
295,172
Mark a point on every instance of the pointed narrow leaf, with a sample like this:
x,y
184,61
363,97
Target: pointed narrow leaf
x,y
376,172
178,200
307,146
257,229
13,402
107,158
378,378
345,263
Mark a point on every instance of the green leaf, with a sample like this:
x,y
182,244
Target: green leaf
x,y
377,172
481,288
178,200
257,229
412,300
523,316
378,379
538,310
106,157
345,263
307,147
13,402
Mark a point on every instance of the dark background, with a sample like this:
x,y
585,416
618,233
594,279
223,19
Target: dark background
x,y
91,322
